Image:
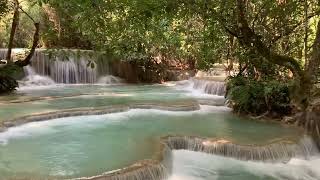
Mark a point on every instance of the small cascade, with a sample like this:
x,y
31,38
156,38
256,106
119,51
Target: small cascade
x,y
161,169
109,79
210,87
65,68
276,152
69,66
202,86
34,79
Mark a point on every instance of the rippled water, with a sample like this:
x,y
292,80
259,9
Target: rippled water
x,y
91,145
199,166
64,97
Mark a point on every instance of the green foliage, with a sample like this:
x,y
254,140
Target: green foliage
x,y
3,7
11,70
25,30
138,29
258,97
7,84
172,29
3,11
8,74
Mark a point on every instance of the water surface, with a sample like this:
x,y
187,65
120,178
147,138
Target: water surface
x,y
90,145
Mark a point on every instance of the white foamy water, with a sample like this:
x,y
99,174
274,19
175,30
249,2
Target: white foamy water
x,y
109,79
52,126
93,121
201,88
189,165
66,66
205,91
33,79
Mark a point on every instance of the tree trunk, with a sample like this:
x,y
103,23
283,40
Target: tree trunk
x,y
252,41
230,58
306,29
15,23
309,118
249,39
36,38
309,78
314,62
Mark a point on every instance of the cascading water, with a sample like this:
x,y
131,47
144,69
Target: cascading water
x,y
34,79
275,152
93,146
207,92
68,147
69,66
202,86
188,165
209,87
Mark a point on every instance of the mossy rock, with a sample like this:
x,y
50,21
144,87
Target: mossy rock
x,y
7,84
13,71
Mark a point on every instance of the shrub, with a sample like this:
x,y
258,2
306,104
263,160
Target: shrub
x,y
8,76
7,84
257,97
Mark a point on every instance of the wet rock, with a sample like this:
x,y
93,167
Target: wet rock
x,y
9,124
289,119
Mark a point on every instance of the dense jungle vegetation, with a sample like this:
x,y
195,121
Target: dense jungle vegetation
x,y
270,47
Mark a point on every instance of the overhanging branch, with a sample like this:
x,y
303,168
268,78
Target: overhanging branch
x,y
251,40
27,15
36,38
290,31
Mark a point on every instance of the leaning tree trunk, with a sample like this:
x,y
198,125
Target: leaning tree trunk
x,y
311,117
249,39
306,29
15,23
6,87
36,38
314,62
309,78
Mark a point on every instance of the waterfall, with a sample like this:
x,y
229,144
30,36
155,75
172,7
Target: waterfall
x,y
209,87
281,151
202,86
34,79
160,169
68,66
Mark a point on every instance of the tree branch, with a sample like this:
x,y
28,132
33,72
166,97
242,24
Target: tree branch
x,y
15,23
36,38
252,41
27,15
290,31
